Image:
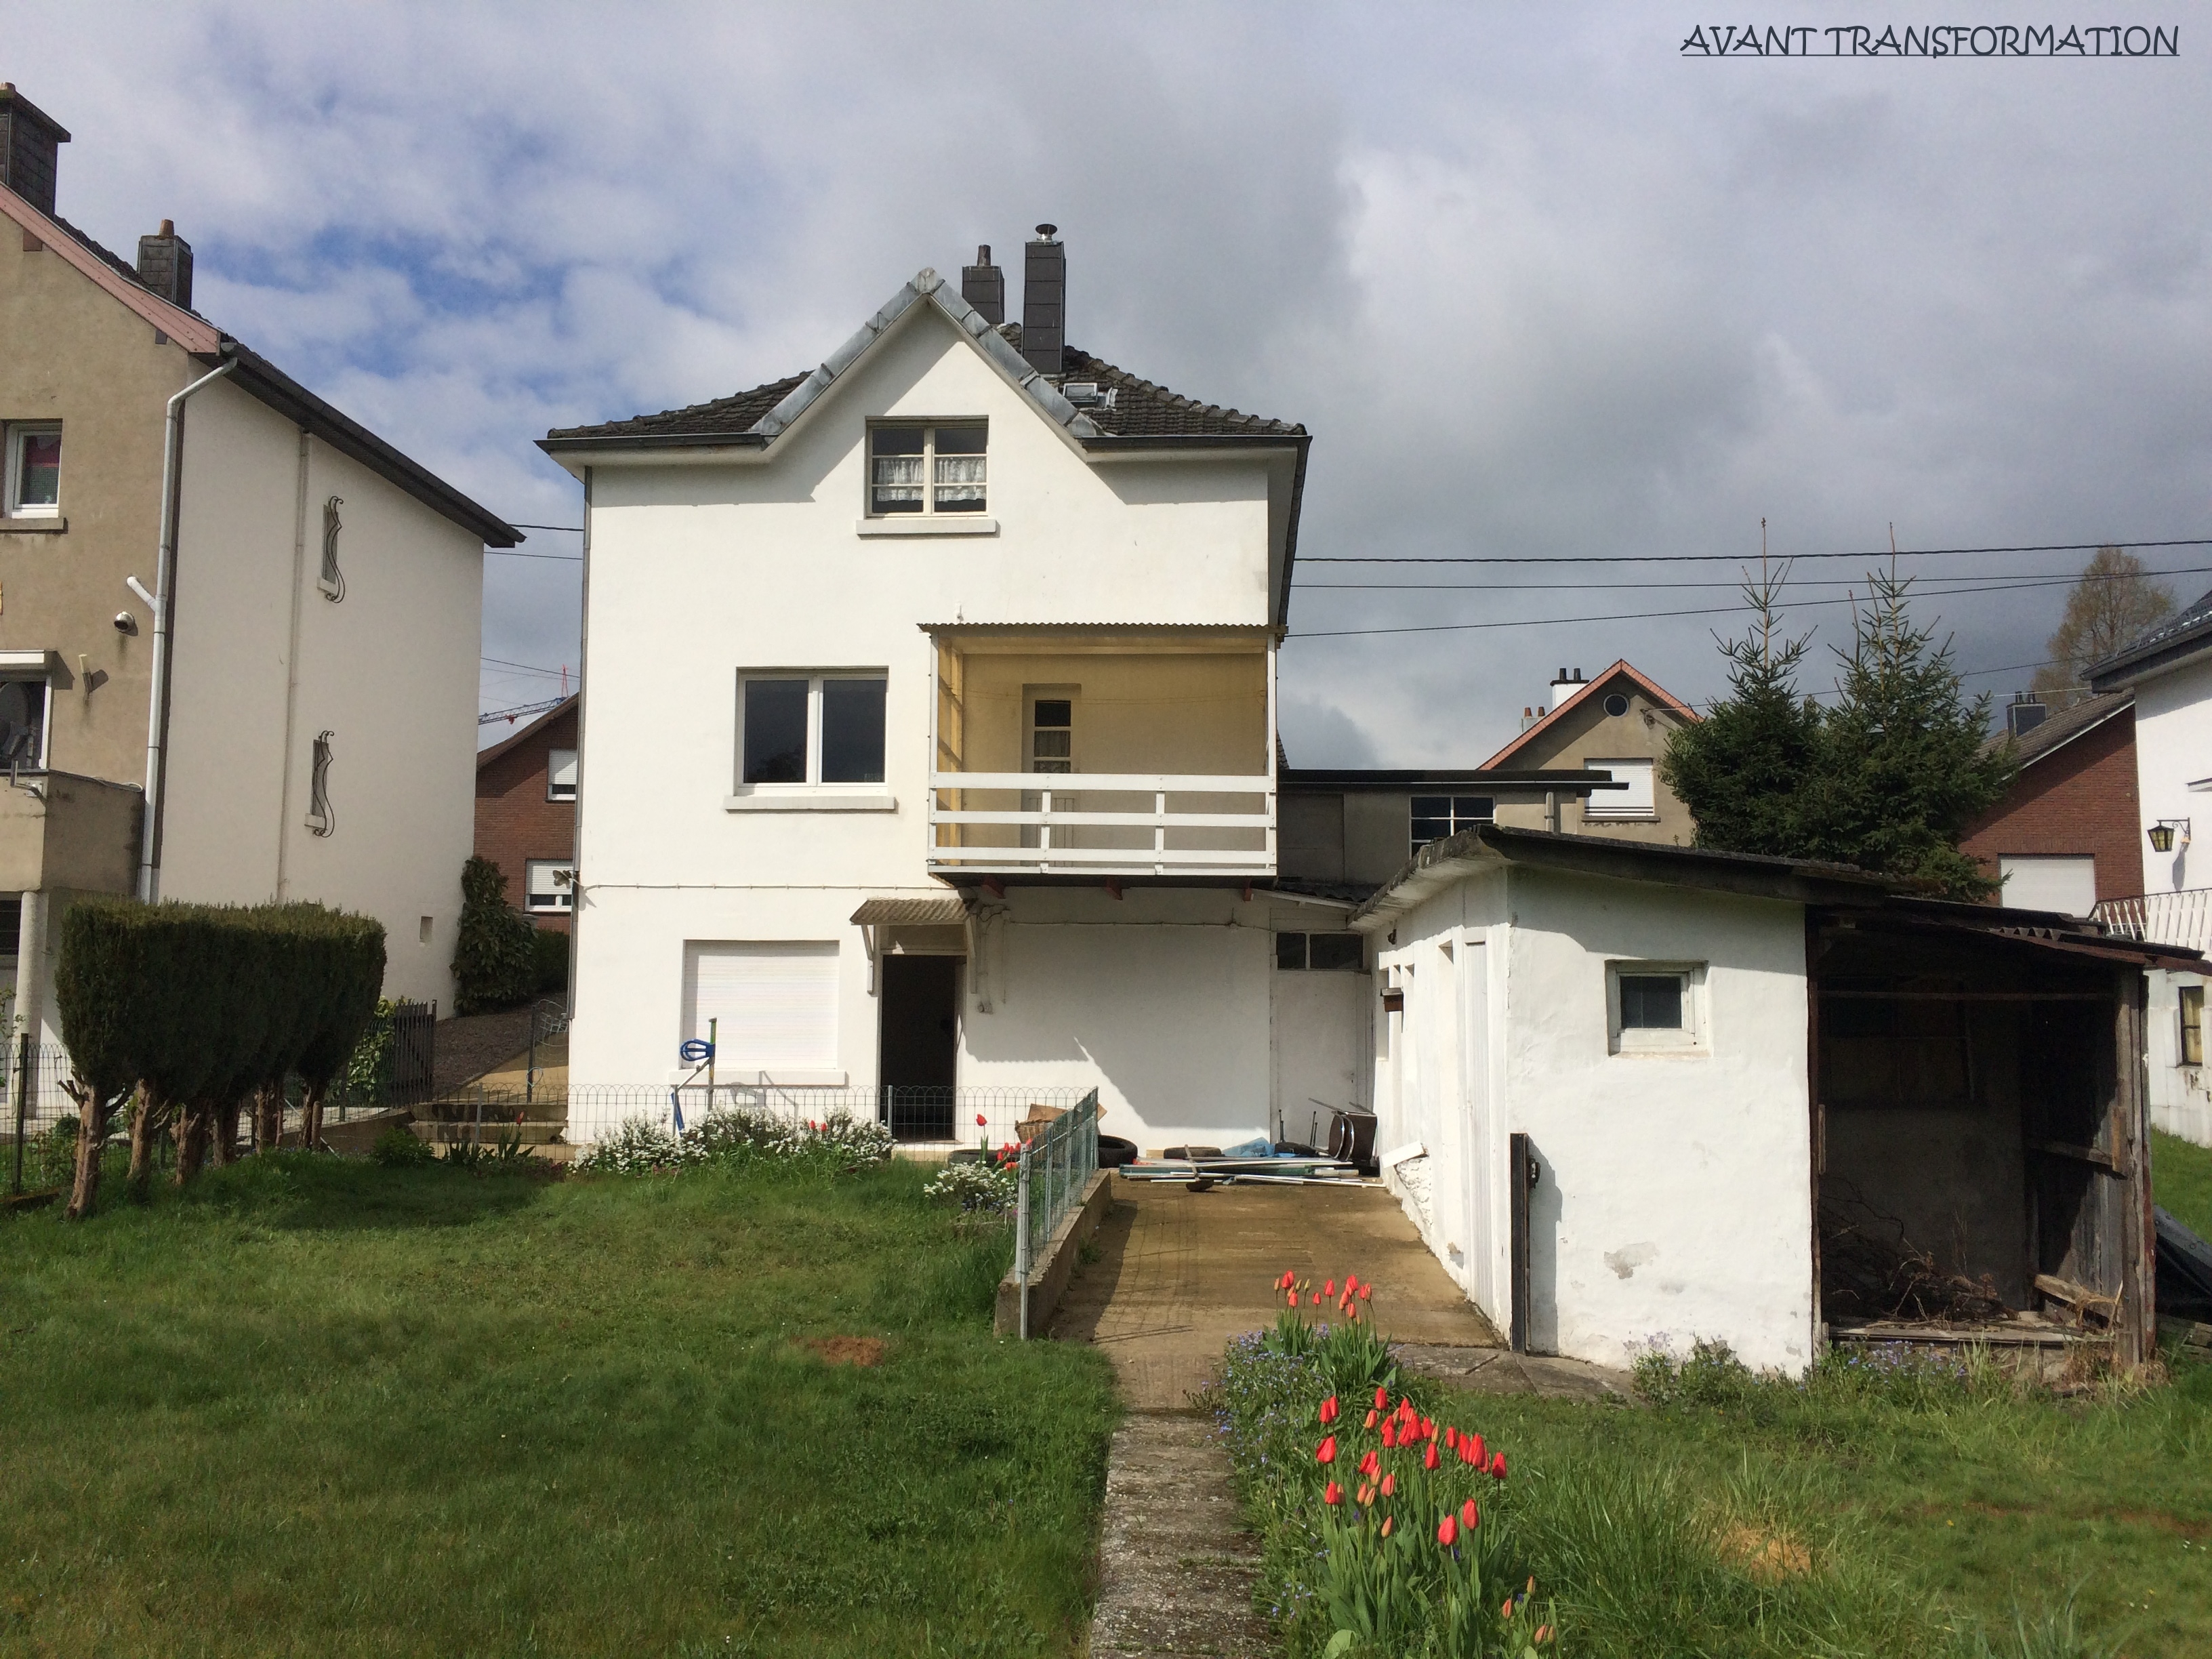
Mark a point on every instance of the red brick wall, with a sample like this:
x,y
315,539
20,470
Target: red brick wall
x,y
515,823
2080,799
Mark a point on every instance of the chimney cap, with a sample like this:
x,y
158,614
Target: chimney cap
x,y
982,253
1046,233
168,228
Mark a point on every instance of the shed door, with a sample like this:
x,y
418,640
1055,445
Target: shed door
x,y
1319,1007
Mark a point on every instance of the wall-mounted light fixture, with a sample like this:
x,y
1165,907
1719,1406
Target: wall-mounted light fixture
x,y
2161,834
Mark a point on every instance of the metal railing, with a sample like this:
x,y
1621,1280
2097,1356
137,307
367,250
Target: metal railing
x,y
2183,918
1070,826
1056,1164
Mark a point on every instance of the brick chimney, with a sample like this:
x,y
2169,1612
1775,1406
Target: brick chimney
x,y
983,286
165,265
1044,302
30,141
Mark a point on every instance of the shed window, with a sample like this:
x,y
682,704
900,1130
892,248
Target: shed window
x,y
560,775
1655,1007
926,469
2192,1025
34,471
1320,952
1436,817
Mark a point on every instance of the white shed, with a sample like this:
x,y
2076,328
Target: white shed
x,y
1604,1097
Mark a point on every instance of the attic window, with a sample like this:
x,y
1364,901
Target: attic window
x,y
926,469
1436,816
34,471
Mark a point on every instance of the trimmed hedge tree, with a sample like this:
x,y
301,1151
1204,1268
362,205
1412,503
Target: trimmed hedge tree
x,y
199,1007
495,959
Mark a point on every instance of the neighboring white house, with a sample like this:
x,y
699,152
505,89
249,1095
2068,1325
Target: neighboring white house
x,y
931,743
2169,671
1607,1101
304,719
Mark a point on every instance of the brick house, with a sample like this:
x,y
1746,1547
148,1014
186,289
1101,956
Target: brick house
x,y
526,812
2065,836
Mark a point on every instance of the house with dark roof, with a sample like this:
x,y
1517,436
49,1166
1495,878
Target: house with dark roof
x,y
2064,837
930,748
238,630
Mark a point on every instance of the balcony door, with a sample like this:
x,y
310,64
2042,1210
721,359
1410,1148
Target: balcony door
x,y
1049,747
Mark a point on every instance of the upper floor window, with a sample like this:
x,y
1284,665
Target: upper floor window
x,y
815,728
925,469
22,724
1436,817
560,775
34,471
1052,734
2192,1025
549,886
1635,801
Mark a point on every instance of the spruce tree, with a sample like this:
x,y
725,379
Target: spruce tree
x,y
1742,770
1901,767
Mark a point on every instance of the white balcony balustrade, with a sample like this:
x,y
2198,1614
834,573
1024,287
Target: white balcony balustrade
x,y
2183,918
1103,824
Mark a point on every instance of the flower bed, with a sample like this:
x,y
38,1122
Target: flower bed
x,y
837,1143
1387,1531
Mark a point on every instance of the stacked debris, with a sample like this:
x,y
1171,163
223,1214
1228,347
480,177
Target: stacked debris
x,y
1870,1270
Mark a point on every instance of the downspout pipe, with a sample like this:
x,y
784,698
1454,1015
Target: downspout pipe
x,y
157,715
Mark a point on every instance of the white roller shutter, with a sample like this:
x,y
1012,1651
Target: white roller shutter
x,y
2068,884
777,1003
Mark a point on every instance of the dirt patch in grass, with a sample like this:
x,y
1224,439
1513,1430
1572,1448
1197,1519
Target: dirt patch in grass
x,y
1766,1556
845,1350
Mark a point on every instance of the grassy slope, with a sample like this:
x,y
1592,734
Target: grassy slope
x,y
2182,1175
323,1407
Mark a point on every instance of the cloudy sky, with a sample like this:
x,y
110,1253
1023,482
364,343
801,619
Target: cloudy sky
x,y
1542,287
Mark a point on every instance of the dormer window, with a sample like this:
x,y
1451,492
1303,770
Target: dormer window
x,y
916,469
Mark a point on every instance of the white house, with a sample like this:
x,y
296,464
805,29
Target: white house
x,y
2169,672
238,630
931,741
1640,1093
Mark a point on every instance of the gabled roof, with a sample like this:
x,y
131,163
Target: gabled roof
x,y
485,757
1137,408
2061,728
254,373
2172,643
1621,670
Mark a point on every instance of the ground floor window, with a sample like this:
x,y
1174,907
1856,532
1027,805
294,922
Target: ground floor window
x,y
1324,952
773,1003
550,886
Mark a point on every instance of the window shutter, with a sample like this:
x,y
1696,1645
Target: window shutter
x,y
777,1003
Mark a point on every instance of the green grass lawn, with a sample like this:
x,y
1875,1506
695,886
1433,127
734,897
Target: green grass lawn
x,y
322,1407
2181,1173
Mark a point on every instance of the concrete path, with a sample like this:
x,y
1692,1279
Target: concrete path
x,y
1175,1567
1179,1273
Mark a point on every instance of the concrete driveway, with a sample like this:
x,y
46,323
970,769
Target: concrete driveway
x,y
1181,1273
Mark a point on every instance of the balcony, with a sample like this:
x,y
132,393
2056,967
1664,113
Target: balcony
x,y
59,830
2182,918
1103,752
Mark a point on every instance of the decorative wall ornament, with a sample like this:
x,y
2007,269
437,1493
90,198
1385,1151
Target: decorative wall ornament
x,y
332,581
320,819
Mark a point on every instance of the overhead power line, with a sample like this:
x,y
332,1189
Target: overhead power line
x,y
2037,579
1724,558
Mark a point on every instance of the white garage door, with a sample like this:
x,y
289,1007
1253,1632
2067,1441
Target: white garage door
x,y
775,1003
2067,884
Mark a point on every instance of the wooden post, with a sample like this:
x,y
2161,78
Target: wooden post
x,y
1523,1174
22,1099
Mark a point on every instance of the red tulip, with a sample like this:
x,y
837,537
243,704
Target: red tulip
x,y
1470,1447
1451,1437
1329,1411
1326,1452
1447,1531
1291,1297
1371,1464
1506,1611
1366,1290
1389,1485
1288,1279
1328,1288
980,1120
1381,1397
1429,1459
1389,1438
1497,1465
1332,1494
1387,1520
1366,1496
1370,1420
1469,1517
1543,1634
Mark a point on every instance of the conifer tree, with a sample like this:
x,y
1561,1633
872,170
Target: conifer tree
x,y
1901,766
1742,770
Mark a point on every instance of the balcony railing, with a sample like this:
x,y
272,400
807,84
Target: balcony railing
x,y
1103,824
2182,918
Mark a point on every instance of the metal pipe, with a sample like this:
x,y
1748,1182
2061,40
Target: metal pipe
x,y
157,715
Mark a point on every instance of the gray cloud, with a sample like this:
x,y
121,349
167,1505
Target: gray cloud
x,y
1539,286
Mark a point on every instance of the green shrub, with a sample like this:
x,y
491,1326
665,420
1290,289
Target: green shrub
x,y
368,1067
831,1146
985,1187
551,946
399,1148
495,960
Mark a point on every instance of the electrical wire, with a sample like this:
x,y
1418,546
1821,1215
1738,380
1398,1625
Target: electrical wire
x,y
1726,558
2025,579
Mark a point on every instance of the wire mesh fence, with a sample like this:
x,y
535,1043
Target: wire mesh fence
x,y
1056,1164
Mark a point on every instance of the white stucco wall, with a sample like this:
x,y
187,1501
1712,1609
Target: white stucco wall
x,y
1675,1195
2181,1095
2173,749
699,571
390,670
